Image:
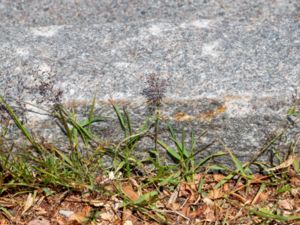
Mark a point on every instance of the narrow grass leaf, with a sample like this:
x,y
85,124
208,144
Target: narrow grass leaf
x,y
18,123
89,122
207,158
169,150
91,113
201,184
120,118
285,188
217,168
237,163
63,156
265,213
128,121
145,198
223,181
6,213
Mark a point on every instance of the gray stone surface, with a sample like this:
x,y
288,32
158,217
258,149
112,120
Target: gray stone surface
x,y
232,66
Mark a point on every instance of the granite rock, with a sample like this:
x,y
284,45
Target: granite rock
x,y
232,67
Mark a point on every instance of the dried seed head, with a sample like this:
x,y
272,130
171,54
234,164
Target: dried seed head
x,y
45,87
154,91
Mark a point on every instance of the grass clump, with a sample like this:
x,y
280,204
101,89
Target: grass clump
x,y
190,190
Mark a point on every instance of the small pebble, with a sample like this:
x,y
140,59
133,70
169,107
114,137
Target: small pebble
x,y
66,213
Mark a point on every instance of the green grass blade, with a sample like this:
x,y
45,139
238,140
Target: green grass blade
x,y
18,123
265,213
120,118
201,184
91,112
145,198
63,156
193,143
171,131
89,122
207,158
169,150
238,164
179,144
61,116
223,181
6,212
128,121
132,137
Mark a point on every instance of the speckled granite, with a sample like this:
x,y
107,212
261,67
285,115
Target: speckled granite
x,y
232,66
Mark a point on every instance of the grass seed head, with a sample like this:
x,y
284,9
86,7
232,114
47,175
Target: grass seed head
x,y
154,91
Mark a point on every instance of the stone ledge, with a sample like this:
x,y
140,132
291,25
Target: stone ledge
x,y
234,73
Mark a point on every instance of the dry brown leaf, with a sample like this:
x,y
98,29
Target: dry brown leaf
x,y
208,202
3,222
40,211
186,210
77,218
215,194
60,221
166,193
96,203
239,185
134,182
7,203
130,193
194,193
264,196
260,197
183,190
287,204
257,178
239,197
173,197
110,187
295,192
174,206
295,181
127,216
193,187
218,177
29,202
198,177
82,215
209,214
283,165
107,216
198,212
160,204
189,191
226,187
292,172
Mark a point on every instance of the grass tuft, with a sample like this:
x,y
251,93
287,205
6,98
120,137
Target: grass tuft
x,y
190,189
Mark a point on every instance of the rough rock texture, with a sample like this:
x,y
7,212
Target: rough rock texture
x,y
232,66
